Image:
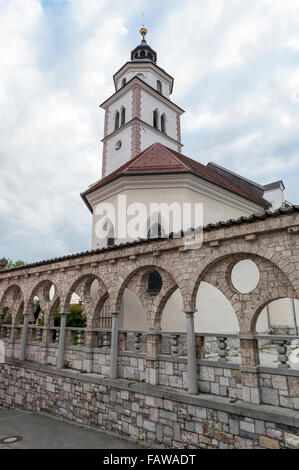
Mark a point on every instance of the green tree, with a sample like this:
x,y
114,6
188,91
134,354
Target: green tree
x,y
14,264
75,319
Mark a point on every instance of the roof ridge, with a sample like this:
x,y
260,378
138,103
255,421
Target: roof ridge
x,y
186,165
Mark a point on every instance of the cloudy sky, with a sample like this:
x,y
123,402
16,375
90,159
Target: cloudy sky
x,y
236,69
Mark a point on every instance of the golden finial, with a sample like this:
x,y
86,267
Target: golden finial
x,y
143,30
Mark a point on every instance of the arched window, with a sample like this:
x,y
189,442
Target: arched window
x,y
154,226
109,229
159,86
123,82
155,231
155,119
116,126
142,53
154,283
163,123
123,116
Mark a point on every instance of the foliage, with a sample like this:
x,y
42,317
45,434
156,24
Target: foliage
x,y
41,321
75,319
8,318
57,317
14,264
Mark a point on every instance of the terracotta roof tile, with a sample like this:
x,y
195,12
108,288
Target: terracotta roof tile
x,y
158,159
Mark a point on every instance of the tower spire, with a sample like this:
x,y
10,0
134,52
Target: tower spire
x,y
143,30
143,52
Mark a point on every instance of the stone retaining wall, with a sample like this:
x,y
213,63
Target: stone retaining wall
x,y
278,387
150,413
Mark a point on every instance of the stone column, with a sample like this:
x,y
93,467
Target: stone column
x,y
24,336
191,352
114,345
249,369
60,355
153,341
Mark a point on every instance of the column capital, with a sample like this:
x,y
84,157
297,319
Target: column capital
x,y
115,313
190,313
27,314
63,314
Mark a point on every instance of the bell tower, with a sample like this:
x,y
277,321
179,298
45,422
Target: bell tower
x,y
140,112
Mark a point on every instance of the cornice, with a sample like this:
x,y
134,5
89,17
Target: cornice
x,y
142,123
136,80
171,181
149,65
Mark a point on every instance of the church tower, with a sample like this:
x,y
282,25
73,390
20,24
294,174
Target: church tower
x,y
140,112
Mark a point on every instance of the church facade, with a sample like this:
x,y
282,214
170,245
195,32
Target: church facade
x,y
143,163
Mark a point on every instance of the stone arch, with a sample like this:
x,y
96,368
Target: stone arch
x,y
153,305
13,300
272,281
283,293
42,290
94,319
49,319
82,286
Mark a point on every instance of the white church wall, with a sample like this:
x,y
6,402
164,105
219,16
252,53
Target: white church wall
x,y
124,101
132,316
214,314
213,210
116,158
150,136
148,105
262,325
282,313
148,76
275,197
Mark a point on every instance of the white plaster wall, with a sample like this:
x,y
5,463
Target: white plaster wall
x,y
214,314
148,104
213,210
124,101
275,197
262,323
149,137
148,76
116,158
132,316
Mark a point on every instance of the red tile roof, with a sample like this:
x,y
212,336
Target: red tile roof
x,y
159,159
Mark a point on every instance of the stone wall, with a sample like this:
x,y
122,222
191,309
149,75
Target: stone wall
x,y
150,413
279,387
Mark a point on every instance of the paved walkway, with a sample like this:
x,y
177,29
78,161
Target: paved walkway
x,y
40,431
